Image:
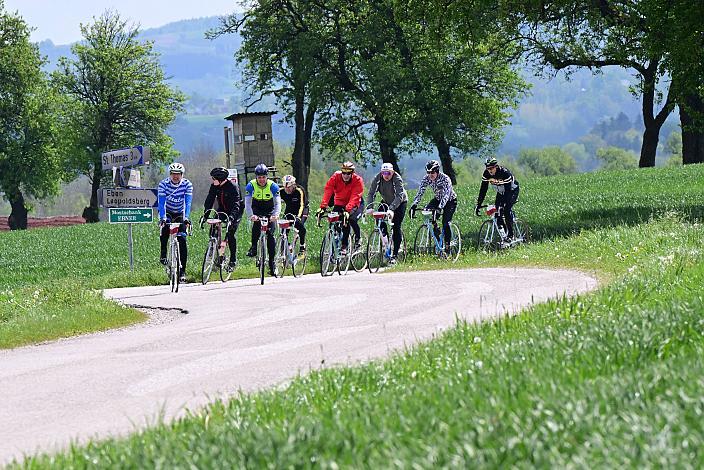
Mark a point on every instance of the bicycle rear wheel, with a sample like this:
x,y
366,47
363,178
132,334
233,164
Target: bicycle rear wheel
x,y
403,250
261,256
358,255
422,243
521,231
489,237
455,242
374,253
298,266
327,253
280,260
211,252
175,266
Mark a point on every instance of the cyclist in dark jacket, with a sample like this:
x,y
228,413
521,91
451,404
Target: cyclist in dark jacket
x,y
297,204
229,201
507,190
389,185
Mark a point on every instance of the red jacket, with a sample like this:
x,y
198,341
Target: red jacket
x,y
346,194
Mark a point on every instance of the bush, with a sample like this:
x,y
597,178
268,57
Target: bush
x,y
547,161
614,158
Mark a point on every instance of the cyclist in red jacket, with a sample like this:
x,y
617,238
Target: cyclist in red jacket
x,y
344,192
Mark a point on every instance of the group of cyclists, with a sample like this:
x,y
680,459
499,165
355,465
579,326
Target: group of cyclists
x,y
343,193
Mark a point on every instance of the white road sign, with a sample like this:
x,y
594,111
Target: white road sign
x,y
110,197
130,156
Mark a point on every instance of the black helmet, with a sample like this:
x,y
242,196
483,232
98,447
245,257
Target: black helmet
x,y
261,170
433,166
219,173
491,161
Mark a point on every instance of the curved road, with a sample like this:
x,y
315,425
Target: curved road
x,y
239,336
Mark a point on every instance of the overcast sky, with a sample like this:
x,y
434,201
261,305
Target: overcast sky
x,y
59,20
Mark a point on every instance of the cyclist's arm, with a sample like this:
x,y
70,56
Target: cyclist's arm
x,y
328,191
210,199
161,199
373,187
421,189
235,203
482,191
303,206
445,186
399,192
356,195
188,200
248,191
277,200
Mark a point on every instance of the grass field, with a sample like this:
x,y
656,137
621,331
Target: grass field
x,y
609,378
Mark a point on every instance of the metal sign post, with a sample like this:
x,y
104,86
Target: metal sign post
x,y
129,216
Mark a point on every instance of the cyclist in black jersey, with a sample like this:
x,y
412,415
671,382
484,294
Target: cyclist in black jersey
x,y
507,190
297,204
229,201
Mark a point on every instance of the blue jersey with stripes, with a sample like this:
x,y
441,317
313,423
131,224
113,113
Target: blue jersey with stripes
x,y
175,198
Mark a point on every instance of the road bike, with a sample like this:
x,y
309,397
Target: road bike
x,y
380,247
173,266
262,247
331,259
214,257
430,239
492,236
288,248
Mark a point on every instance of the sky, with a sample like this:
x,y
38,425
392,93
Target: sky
x,y
59,20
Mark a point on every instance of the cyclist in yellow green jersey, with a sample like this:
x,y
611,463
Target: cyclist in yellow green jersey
x,y
262,199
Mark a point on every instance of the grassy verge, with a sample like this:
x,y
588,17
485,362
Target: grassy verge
x,y
609,378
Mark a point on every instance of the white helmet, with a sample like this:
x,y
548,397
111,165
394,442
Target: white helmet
x,y
387,167
288,180
176,167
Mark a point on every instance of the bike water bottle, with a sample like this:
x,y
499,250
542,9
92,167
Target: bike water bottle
x,y
502,232
384,240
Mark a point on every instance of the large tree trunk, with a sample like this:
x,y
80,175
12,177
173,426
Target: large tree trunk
x,y
307,142
652,122
91,213
445,158
18,216
692,122
387,149
298,157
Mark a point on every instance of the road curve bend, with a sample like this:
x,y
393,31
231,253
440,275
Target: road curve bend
x,y
240,336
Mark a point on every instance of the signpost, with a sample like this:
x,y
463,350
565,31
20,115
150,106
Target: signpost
x,y
129,216
130,156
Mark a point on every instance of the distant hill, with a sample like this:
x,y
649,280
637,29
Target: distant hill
x,y
557,112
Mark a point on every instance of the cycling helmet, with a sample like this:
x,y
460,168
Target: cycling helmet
x,y
176,167
491,161
347,167
219,173
261,170
433,166
288,180
387,167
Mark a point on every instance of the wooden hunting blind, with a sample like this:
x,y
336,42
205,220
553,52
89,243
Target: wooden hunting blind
x,y
250,142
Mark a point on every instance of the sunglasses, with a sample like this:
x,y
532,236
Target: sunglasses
x,y
386,173
347,172
431,172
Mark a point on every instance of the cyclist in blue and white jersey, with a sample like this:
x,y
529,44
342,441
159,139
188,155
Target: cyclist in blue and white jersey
x,y
175,195
262,199
445,197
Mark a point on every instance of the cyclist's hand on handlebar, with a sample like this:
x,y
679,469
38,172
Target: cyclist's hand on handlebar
x,y
476,210
162,222
319,212
274,218
390,213
253,218
345,216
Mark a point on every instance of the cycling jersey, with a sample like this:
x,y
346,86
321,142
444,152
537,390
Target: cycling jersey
x,y
502,181
228,197
392,191
442,186
348,194
296,202
262,200
174,198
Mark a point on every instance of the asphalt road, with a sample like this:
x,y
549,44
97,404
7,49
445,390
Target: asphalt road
x,y
239,336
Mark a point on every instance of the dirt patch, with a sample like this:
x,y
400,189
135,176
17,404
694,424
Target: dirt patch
x,y
39,222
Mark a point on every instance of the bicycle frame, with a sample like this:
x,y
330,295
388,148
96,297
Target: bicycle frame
x,y
430,223
173,253
335,233
381,217
216,244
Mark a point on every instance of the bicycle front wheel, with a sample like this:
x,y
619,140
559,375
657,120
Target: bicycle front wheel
x,y
327,253
455,242
422,243
489,237
358,254
374,253
261,256
280,260
298,264
211,253
175,266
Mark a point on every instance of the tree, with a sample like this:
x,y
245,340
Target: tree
x,y
119,95
547,161
29,160
614,158
594,34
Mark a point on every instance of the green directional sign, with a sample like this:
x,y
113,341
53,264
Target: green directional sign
x,y
137,215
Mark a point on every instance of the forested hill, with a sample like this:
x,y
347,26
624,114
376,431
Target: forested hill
x,y
557,112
